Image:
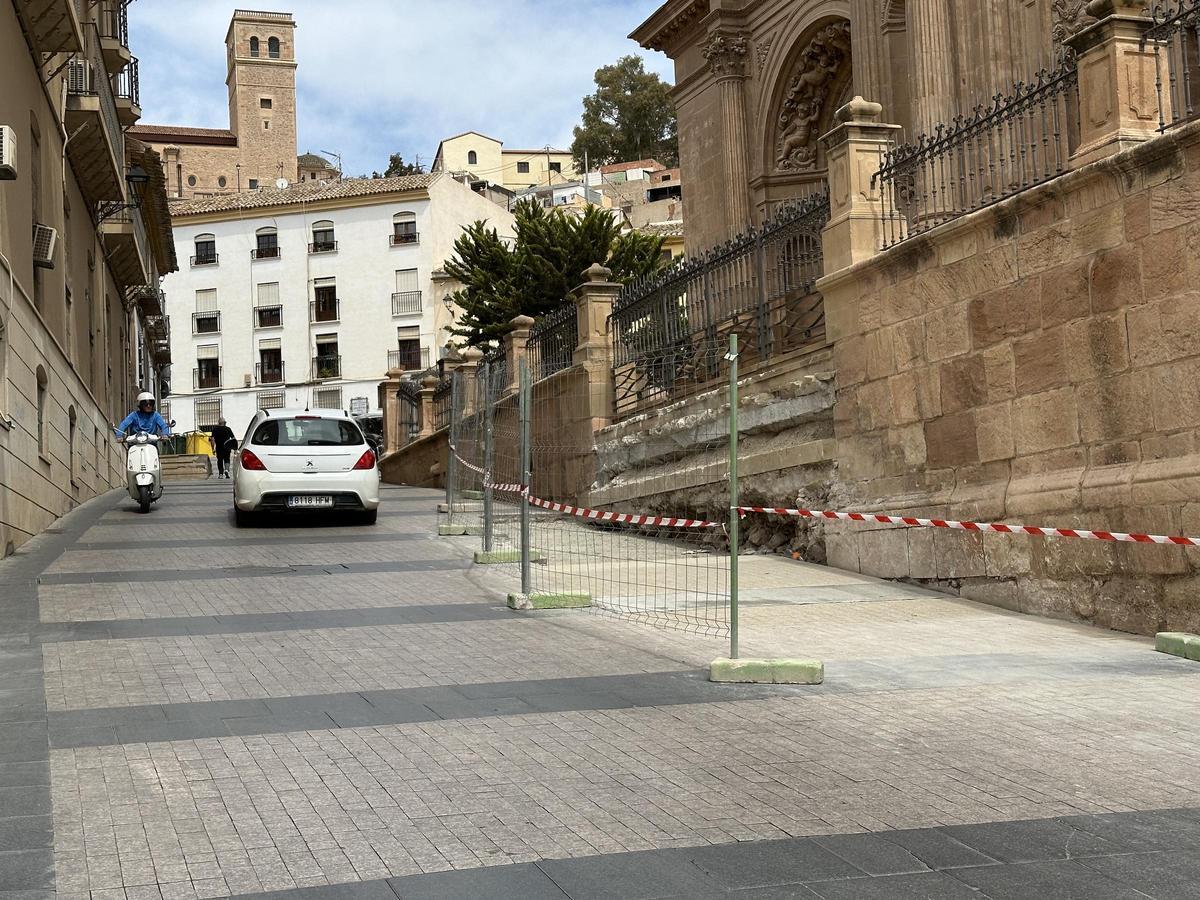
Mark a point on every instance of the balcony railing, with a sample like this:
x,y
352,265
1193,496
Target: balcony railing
x,y
206,322
205,259
265,253
326,367
98,150
205,379
406,302
407,237
324,310
1019,140
1176,39
322,247
670,330
113,21
128,86
410,359
268,374
268,316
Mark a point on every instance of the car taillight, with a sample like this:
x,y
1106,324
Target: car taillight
x,y
252,462
366,461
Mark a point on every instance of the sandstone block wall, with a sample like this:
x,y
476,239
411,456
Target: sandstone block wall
x,y
1039,362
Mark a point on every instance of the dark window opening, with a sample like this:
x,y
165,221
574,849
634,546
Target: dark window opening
x,y
264,103
523,168
254,46
472,158
273,47
556,167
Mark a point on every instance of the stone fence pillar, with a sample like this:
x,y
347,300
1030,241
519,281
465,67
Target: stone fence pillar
x,y
1118,99
515,344
391,410
855,149
593,349
428,385
468,369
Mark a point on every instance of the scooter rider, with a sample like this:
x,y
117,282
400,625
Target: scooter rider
x,y
145,418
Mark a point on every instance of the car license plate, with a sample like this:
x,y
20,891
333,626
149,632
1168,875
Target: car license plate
x,y
310,501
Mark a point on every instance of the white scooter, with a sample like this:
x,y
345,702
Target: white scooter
x,y
143,475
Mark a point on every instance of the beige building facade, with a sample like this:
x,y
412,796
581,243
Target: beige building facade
x,y
757,83
487,159
259,147
84,237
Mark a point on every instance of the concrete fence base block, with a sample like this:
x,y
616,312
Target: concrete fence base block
x,y
767,671
443,507
549,601
1178,643
448,530
471,495
497,557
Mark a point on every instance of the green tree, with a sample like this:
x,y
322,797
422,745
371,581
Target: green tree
x,y
629,117
535,273
397,166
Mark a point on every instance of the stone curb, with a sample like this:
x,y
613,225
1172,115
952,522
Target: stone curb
x,y
549,601
1178,643
449,530
472,495
767,671
495,557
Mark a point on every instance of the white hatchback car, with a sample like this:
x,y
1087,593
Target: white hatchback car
x,y
304,461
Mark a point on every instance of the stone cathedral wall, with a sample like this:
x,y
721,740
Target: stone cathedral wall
x,y
1035,362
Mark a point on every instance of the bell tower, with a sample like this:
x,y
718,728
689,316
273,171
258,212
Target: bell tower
x,y
261,53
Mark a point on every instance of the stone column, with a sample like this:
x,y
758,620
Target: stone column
x,y
428,385
515,343
391,411
932,57
593,349
1118,101
854,149
726,54
866,37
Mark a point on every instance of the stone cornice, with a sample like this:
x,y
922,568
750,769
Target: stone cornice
x,y
662,30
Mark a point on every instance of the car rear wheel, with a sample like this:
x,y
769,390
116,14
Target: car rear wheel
x,y
242,518
369,517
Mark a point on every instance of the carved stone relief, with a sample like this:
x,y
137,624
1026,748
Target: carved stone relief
x,y
726,53
762,50
1069,17
807,96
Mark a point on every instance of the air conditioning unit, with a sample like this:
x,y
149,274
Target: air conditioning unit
x,y
8,154
44,239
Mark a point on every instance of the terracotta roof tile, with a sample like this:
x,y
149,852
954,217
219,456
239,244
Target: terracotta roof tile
x,y
303,192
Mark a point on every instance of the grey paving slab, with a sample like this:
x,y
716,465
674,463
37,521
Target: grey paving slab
x,y
285,571
516,882
236,541
1167,874
936,849
1028,842
26,832
631,876
921,886
26,870
1062,879
764,863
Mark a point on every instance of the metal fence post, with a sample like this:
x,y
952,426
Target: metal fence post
x,y
524,398
764,305
734,519
489,454
452,462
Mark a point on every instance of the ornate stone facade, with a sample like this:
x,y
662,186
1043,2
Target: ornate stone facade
x,y
758,81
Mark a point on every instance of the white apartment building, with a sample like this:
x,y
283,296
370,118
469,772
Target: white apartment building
x,y
308,295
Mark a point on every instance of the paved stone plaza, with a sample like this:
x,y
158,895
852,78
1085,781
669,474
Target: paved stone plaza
x,y
196,711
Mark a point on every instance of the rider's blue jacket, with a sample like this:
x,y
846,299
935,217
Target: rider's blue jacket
x,y
151,423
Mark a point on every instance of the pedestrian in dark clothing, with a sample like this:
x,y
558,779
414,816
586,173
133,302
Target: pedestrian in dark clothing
x,y
223,443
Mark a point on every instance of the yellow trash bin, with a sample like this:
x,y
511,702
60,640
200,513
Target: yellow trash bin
x,y
199,443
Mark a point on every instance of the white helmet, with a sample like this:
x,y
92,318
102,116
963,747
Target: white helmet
x,y
145,397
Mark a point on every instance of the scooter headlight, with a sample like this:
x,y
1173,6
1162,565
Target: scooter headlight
x,y
141,439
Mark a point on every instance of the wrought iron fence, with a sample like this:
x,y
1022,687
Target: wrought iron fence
x,y
1019,140
409,393
497,366
1176,39
552,340
666,329
443,399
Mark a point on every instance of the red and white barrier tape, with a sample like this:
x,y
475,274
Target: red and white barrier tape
x,y
983,527
625,518
471,466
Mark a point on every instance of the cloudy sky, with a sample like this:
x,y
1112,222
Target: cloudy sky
x,y
381,76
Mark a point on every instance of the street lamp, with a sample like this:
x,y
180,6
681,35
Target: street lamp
x,y
137,179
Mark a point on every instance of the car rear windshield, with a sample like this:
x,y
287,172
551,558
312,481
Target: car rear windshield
x,y
307,433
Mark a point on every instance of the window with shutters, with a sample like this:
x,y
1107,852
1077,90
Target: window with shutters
x,y
269,369
327,398
207,374
408,354
207,317
324,307
268,311
404,228
407,298
322,238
